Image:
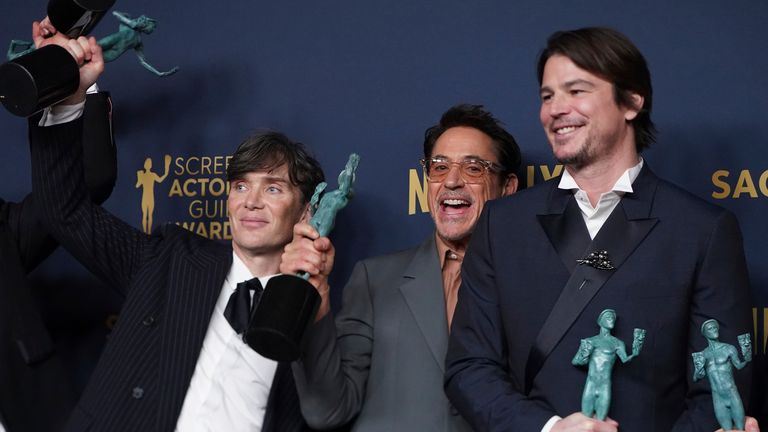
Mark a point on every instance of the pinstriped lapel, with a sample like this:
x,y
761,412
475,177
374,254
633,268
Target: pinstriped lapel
x,y
194,283
422,289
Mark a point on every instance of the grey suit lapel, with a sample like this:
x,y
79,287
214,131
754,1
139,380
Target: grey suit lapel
x,y
422,289
194,283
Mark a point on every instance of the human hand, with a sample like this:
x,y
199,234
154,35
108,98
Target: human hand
x,y
86,52
44,33
310,253
750,425
579,422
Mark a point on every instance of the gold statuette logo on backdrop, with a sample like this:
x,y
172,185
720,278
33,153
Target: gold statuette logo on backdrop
x,y
146,180
195,183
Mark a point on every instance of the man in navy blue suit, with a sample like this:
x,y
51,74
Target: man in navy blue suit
x,y
528,294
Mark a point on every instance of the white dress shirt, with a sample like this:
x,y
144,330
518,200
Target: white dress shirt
x,y
59,114
596,216
231,383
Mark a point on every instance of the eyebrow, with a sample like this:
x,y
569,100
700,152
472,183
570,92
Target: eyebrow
x,y
467,157
275,179
266,179
569,84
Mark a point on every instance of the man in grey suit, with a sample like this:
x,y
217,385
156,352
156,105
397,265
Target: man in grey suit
x,y
381,365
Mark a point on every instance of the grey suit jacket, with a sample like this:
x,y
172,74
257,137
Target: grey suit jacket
x,y
382,364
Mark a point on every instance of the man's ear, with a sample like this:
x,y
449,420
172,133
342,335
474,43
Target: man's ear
x,y
636,105
510,185
306,215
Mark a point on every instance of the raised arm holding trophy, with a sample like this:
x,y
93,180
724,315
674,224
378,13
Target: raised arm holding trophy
x,y
49,74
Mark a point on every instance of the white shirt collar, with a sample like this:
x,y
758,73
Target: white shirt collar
x,y
623,184
237,273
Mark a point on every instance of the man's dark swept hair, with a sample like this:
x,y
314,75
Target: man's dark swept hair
x,y
264,151
474,116
613,57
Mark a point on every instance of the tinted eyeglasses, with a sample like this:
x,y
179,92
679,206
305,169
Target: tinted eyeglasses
x,y
472,170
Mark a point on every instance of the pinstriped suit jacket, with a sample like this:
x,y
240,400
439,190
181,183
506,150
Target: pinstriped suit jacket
x,y
32,375
170,280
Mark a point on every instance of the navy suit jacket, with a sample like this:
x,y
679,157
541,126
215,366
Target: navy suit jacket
x,y
170,281
36,392
678,262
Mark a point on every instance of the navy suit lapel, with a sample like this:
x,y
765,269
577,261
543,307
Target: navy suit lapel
x,y
422,289
194,283
624,230
564,226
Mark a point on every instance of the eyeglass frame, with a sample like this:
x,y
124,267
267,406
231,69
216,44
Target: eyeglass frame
x,y
487,165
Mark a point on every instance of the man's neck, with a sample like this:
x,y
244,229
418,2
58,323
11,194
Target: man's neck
x,y
259,264
600,176
458,246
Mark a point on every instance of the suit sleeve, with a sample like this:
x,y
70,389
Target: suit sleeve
x,y
108,247
477,380
721,291
30,235
99,151
333,370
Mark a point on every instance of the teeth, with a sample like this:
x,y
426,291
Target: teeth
x,y
454,202
565,130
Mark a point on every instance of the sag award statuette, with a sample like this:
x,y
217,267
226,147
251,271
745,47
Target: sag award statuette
x,y
289,303
716,362
31,81
39,78
600,352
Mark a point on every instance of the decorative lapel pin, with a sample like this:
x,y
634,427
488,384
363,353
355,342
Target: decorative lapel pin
x,y
598,259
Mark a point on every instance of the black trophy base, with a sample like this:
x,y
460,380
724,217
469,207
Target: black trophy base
x,y
39,79
287,307
77,17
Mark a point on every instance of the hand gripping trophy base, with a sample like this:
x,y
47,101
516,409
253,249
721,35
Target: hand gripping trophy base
x,y
39,78
289,303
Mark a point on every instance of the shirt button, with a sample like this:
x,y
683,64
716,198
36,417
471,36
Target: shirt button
x,y
137,392
149,321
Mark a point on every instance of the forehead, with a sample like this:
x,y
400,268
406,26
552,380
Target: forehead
x,y
275,174
561,71
463,142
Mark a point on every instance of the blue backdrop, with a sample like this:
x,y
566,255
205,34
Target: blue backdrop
x,y
368,77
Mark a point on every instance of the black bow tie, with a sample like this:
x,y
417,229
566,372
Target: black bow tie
x,y
239,306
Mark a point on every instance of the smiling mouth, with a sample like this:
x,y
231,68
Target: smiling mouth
x,y
565,130
454,205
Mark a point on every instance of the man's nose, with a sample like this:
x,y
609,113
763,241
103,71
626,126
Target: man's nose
x,y
455,178
254,199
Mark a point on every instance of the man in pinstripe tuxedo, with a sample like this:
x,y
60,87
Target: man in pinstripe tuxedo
x,y
173,361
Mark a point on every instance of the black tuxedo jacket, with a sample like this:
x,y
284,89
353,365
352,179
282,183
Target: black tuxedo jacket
x,y
170,281
524,304
35,389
